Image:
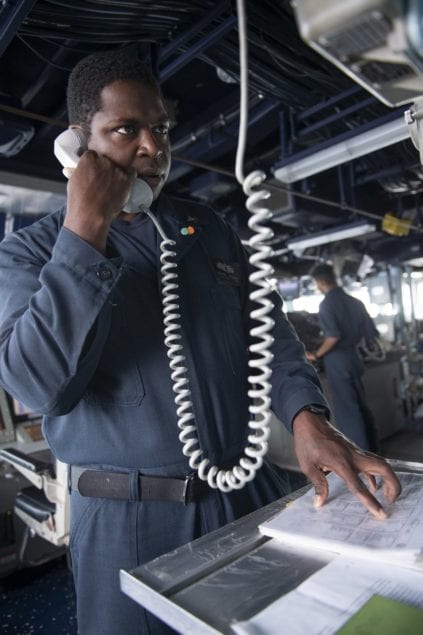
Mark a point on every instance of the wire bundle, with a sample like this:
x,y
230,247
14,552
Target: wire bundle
x,y
103,21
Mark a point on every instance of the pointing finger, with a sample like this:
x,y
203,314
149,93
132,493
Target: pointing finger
x,y
358,488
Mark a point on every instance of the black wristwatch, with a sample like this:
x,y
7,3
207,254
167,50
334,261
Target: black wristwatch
x,y
315,409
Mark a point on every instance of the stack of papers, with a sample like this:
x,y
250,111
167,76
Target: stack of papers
x,y
344,526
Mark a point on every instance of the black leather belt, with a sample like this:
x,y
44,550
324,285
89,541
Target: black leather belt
x,y
118,486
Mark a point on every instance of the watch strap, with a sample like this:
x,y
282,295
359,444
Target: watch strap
x,y
315,409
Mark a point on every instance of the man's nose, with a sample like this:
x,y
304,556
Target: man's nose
x,y
147,144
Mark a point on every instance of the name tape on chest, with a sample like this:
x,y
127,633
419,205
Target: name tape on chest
x,y
228,272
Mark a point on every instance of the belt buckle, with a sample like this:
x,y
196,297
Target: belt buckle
x,y
186,494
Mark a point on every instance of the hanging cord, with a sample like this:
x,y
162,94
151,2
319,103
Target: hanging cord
x,y
259,408
260,389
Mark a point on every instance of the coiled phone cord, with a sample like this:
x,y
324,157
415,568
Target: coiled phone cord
x,y
239,475
259,392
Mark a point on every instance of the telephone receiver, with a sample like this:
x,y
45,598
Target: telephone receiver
x,y
71,144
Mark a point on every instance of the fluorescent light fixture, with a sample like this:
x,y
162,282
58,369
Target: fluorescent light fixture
x,y
358,146
331,235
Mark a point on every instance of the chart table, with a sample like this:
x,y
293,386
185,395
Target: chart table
x,y
227,576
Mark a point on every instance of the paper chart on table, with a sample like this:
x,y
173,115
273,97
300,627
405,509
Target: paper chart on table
x,y
343,525
328,599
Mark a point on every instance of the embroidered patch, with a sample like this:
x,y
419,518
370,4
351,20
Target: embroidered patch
x,y
228,271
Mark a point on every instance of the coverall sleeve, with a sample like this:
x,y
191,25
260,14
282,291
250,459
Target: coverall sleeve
x,y
370,330
294,381
328,320
54,315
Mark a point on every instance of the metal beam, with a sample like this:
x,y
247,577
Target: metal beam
x,y
184,38
12,15
206,42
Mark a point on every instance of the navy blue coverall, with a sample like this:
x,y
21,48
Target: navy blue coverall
x,y
345,317
81,341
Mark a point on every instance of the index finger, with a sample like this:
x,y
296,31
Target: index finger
x,y
372,466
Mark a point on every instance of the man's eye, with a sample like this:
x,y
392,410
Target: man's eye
x,y
125,130
162,130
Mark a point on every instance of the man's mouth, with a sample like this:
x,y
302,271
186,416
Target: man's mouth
x,y
152,178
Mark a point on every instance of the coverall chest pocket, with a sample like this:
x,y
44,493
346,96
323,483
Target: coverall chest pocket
x,y
227,304
117,379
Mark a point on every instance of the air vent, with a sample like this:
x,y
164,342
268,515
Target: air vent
x,y
370,40
367,33
381,72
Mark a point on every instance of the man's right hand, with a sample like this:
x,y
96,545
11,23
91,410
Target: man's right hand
x,y
97,191
321,448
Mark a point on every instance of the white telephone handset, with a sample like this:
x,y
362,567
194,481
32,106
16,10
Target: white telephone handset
x,y
71,144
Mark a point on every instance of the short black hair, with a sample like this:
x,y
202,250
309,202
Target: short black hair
x,y
92,73
324,273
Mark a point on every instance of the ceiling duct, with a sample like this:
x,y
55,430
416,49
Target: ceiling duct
x,y
376,42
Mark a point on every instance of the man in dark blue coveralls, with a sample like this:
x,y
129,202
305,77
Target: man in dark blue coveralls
x,y
345,323
81,340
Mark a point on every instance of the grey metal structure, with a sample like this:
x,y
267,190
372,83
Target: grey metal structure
x,y
226,576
